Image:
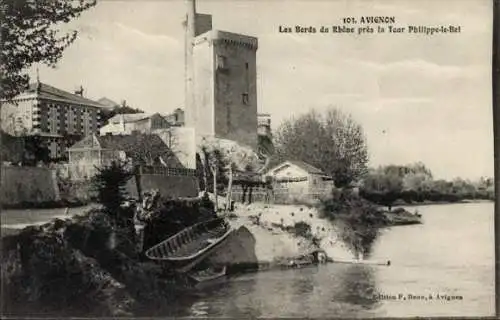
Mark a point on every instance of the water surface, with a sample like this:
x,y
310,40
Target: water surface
x,y
452,254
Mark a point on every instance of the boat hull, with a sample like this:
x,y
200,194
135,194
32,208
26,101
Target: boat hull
x,y
186,249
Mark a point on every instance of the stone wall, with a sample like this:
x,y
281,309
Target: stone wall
x,y
28,185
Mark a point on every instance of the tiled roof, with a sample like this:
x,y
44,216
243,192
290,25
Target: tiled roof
x,y
45,91
301,164
307,167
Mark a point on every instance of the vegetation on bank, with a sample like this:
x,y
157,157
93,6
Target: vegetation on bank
x,y
356,220
414,183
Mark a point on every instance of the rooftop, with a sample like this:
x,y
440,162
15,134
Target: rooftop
x,y
129,117
301,164
44,91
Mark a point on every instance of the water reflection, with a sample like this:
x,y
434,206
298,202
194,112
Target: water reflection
x,y
357,286
332,290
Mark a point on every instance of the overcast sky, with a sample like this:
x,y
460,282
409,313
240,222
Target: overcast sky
x,y
418,98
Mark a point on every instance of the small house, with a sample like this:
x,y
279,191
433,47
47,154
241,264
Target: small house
x,y
300,178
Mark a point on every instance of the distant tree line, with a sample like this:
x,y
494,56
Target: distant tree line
x,y
415,184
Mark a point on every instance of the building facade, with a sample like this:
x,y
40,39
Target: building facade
x,y
128,123
221,90
60,118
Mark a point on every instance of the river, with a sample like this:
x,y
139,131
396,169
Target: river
x,y
452,254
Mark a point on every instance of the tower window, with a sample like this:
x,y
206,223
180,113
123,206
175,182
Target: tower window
x,y
246,65
245,99
221,62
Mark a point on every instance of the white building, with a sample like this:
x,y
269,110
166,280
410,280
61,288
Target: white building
x,y
128,123
300,178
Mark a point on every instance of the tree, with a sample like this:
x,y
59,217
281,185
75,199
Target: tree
x,y
110,182
333,142
30,33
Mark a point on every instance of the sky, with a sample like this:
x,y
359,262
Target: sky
x,y
418,98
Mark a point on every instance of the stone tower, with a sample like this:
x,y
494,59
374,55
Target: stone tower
x,y
221,76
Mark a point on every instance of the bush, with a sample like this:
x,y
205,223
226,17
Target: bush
x,y
357,220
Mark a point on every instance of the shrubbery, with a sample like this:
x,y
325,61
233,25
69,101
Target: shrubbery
x,y
356,220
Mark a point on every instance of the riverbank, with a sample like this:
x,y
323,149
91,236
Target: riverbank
x,y
428,203
275,229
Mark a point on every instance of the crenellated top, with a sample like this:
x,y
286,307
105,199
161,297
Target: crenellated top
x,y
228,38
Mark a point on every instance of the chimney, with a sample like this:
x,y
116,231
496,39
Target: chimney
x,y
79,91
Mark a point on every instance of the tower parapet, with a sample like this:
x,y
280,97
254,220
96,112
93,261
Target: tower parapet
x,y
224,37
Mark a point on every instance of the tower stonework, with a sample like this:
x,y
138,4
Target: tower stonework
x,y
221,77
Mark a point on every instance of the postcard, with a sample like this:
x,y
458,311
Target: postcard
x,y
230,159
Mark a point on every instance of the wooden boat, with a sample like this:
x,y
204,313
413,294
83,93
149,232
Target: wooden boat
x,y
207,275
187,248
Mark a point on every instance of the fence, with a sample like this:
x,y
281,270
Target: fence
x,y
165,171
281,195
84,171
